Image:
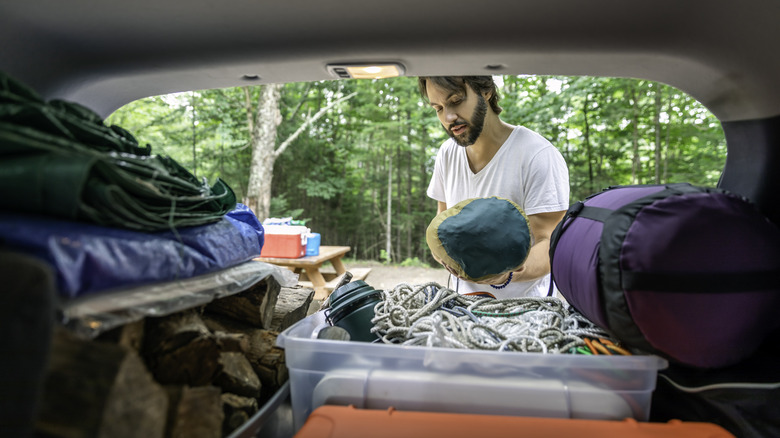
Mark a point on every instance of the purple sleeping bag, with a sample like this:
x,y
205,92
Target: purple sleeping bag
x,y
689,273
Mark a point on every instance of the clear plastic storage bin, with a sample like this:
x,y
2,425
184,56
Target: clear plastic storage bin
x,y
379,376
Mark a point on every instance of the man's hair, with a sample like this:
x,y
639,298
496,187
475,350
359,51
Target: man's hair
x,y
479,84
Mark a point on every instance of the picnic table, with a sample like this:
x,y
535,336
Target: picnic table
x,y
308,267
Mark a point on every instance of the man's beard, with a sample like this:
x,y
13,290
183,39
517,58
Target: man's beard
x,y
473,128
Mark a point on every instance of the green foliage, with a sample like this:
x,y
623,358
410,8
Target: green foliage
x,y
606,129
335,175
414,262
280,207
205,131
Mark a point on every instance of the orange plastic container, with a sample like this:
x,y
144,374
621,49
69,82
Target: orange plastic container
x,y
285,246
349,422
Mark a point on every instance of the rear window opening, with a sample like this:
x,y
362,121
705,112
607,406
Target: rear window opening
x,y
379,142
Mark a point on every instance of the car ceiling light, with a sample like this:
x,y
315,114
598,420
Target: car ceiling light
x,y
366,71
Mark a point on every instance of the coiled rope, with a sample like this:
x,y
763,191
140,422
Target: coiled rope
x,y
434,316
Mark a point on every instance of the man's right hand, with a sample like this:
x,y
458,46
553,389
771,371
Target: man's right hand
x,y
494,279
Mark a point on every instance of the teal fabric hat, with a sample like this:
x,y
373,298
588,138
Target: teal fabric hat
x,y
480,237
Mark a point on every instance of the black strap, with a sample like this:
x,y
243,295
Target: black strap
x,y
556,235
595,213
700,282
578,209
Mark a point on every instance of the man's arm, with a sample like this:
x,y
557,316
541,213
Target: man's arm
x,y
538,263
441,207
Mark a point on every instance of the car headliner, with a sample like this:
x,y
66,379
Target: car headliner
x,y
107,53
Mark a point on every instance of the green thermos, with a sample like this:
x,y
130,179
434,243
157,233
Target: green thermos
x,y
352,308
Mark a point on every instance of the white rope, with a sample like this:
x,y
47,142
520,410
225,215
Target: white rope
x,y
434,316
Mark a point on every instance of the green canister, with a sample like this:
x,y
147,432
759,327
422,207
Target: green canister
x,y
352,308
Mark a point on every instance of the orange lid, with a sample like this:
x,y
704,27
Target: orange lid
x,y
349,422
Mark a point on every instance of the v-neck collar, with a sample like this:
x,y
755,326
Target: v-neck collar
x,y
492,159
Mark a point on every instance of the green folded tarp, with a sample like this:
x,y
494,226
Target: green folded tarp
x,y
59,159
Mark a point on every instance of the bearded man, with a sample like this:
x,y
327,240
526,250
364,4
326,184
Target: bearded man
x,y
486,157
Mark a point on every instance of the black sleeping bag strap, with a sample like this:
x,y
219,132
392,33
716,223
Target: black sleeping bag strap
x,y
578,209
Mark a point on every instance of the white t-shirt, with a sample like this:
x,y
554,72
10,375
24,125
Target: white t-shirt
x,y
527,169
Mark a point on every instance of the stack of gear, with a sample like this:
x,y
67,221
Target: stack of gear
x,y
480,238
91,258
59,159
102,211
689,273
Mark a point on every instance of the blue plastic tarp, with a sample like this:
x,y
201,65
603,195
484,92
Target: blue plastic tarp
x,y
90,258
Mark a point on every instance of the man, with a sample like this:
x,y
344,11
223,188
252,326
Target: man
x,y
486,156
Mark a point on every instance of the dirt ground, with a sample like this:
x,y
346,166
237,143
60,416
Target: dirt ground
x,y
387,277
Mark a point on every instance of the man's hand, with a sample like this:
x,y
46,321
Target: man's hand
x,y
497,279
450,270
538,262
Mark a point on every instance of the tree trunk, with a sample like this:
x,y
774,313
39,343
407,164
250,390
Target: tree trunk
x,y
666,144
398,200
388,223
588,146
194,135
263,140
423,201
263,129
657,123
635,163
409,220
374,240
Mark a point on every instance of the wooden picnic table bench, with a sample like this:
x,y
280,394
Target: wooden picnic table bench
x,y
308,267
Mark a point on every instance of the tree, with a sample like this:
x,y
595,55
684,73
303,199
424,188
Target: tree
x,y
262,121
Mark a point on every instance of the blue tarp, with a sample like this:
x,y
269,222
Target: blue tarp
x,y
90,258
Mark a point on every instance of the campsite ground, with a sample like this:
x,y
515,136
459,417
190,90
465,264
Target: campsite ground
x,y
388,276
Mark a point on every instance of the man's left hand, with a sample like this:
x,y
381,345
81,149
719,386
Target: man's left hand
x,y
497,280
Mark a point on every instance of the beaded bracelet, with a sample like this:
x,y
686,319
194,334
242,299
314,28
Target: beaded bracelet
x,y
503,285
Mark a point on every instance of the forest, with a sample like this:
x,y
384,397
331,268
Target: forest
x,y
352,158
